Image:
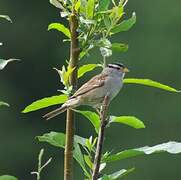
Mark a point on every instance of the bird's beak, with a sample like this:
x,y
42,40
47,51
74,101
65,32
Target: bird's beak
x,y
125,70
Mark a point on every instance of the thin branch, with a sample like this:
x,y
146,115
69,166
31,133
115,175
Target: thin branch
x,y
74,56
100,141
40,166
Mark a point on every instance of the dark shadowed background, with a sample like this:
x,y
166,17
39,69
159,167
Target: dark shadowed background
x,y
154,52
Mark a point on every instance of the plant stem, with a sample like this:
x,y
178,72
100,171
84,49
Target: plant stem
x,y
74,56
104,62
100,141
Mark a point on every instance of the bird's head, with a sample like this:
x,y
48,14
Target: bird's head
x,y
118,67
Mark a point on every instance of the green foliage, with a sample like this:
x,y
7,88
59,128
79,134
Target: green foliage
x,y
148,82
128,120
58,140
119,47
86,68
90,9
3,103
61,28
8,177
122,155
124,25
98,22
78,155
117,175
77,5
88,161
3,62
104,5
40,166
53,138
171,147
57,4
6,17
45,102
92,117
90,143
85,160
64,76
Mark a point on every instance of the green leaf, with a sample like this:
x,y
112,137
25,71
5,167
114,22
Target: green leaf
x,y
128,120
6,17
124,25
92,117
77,153
61,28
46,102
57,4
122,155
88,144
88,161
83,8
3,62
65,74
77,5
86,68
149,82
8,177
171,147
3,104
116,14
90,9
104,5
120,47
87,22
119,174
53,138
107,22
80,140
57,139
102,166
105,177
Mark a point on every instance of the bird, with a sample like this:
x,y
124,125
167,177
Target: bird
x,y
108,83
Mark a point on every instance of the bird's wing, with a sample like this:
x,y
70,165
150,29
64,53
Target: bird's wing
x,y
93,83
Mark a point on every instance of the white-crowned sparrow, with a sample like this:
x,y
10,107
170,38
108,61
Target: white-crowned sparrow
x,y
108,82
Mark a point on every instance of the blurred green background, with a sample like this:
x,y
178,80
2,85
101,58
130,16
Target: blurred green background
x,y
154,52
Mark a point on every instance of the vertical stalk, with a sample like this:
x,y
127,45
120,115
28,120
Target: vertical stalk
x,y
104,62
74,56
100,141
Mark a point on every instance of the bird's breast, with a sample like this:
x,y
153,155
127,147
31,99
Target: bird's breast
x,y
115,85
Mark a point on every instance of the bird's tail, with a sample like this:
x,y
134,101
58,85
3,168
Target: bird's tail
x,y
55,112
71,103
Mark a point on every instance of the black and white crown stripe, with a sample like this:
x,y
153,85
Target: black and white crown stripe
x,y
116,65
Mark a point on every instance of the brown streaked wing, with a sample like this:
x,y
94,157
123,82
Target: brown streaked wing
x,y
93,83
